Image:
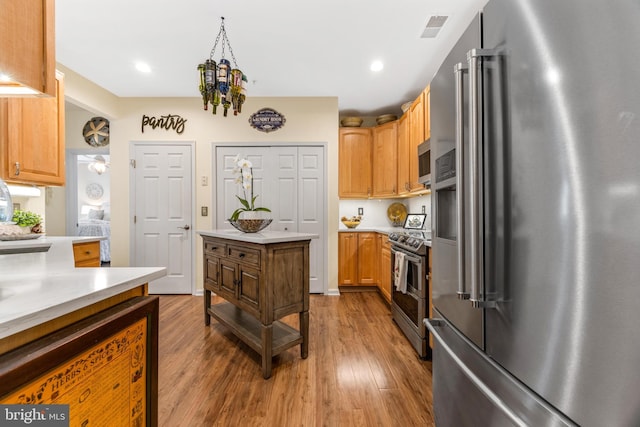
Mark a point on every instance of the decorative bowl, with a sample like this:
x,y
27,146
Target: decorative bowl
x,y
351,122
250,225
386,118
405,107
351,224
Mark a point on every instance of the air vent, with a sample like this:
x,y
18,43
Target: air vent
x,y
434,25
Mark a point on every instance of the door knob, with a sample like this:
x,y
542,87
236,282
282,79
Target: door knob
x,y
186,227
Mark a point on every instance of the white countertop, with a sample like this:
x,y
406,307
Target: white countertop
x,y
262,237
38,287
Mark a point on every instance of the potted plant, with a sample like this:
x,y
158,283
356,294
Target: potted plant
x,y
249,223
29,221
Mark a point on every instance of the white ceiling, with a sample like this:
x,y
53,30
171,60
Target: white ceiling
x,y
285,47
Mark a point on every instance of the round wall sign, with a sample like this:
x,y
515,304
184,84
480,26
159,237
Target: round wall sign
x,y
267,120
94,191
96,132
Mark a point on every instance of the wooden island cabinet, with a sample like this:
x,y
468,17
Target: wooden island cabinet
x,y
263,277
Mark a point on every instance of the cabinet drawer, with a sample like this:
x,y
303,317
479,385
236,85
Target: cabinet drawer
x,y
249,256
86,254
214,248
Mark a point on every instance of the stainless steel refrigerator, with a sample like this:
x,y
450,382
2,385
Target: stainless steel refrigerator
x,y
535,133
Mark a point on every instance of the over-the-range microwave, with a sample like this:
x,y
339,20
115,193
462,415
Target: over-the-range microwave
x,y
424,163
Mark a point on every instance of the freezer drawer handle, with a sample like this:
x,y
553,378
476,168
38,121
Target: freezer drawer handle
x,y
459,70
433,325
475,231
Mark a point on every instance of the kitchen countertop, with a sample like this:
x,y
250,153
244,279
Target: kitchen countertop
x,y
262,237
41,286
10,246
373,229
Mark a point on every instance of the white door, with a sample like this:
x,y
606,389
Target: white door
x,y
162,208
289,180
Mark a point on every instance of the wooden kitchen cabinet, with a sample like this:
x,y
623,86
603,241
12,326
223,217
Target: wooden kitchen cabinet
x,y
347,258
261,283
32,139
368,258
385,160
27,43
416,137
426,98
357,259
403,178
384,283
87,254
355,163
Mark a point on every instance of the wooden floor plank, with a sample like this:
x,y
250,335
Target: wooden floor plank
x,y
361,370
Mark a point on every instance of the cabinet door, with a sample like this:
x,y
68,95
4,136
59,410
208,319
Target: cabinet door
x,y
403,154
32,139
212,273
416,136
367,259
347,258
355,163
385,160
427,120
385,267
249,289
228,279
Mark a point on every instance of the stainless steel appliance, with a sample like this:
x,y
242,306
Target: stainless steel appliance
x,y
409,308
535,241
424,163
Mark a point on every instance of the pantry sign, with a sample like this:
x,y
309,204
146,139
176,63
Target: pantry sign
x,y
267,120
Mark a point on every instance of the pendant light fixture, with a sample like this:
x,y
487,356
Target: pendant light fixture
x,y
219,83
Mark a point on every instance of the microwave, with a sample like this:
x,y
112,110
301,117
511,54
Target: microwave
x,y
424,163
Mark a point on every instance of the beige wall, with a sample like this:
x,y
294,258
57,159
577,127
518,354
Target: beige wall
x,y
308,120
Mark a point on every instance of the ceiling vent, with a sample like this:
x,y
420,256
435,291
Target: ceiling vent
x,y
434,25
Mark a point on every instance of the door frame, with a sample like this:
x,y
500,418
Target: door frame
x,y
132,200
71,197
324,237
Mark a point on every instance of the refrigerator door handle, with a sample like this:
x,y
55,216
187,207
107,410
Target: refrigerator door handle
x,y
458,70
477,299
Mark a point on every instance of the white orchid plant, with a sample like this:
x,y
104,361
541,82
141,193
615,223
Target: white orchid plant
x,y
244,169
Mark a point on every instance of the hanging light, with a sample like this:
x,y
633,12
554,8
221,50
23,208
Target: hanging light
x,y
219,83
99,165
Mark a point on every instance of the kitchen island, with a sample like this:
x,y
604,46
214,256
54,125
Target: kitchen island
x,y
54,316
263,277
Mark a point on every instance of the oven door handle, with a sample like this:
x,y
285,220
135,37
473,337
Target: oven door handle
x,y
408,257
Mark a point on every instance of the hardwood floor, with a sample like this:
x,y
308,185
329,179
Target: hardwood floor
x,y
361,370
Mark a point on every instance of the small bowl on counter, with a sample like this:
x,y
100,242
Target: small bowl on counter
x,y
352,222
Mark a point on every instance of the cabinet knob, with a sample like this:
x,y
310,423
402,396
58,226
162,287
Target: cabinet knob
x,y
241,255
17,168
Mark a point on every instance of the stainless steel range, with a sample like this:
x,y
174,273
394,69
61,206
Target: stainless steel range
x,y
410,306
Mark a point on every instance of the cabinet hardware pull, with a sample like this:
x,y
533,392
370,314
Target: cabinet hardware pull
x,y
17,168
87,253
241,255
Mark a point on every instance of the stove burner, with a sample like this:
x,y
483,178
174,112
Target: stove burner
x,y
413,241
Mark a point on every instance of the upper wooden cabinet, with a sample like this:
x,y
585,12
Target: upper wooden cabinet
x,y
403,155
32,139
427,116
27,49
385,160
355,163
416,136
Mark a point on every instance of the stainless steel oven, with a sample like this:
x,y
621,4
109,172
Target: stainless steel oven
x,y
411,307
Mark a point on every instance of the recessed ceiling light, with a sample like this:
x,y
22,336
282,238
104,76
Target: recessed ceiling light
x,y
377,66
142,67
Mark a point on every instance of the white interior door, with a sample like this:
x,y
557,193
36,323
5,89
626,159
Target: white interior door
x,y
162,207
290,181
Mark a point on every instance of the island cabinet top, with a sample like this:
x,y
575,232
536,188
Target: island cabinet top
x,y
263,237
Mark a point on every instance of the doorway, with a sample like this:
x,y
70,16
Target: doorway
x,y
88,197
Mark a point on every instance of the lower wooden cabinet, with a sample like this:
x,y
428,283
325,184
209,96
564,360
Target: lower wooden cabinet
x,y
357,259
385,267
87,254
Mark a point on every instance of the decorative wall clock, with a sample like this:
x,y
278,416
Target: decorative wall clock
x,y
96,132
94,191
